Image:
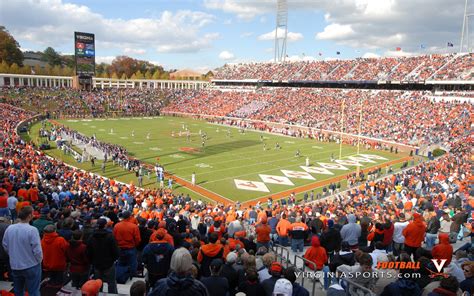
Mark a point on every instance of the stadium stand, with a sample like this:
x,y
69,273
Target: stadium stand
x,y
195,248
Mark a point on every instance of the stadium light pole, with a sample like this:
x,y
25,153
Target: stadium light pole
x,y
342,127
282,26
465,28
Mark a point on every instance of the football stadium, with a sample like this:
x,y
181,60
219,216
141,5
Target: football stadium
x,y
263,173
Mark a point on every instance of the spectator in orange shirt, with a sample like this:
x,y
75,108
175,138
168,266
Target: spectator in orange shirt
x,y
54,255
282,230
263,234
33,193
298,232
127,235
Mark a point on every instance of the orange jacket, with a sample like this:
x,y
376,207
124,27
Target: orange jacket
x,y
316,254
443,250
263,232
414,233
168,238
282,227
127,234
54,252
210,250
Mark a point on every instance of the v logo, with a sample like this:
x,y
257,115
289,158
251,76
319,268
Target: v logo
x,y
439,264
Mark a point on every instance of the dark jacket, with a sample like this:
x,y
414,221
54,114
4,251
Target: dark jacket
x,y
232,277
145,234
77,256
251,288
402,287
340,258
433,225
175,285
269,284
216,285
299,290
331,240
102,249
157,258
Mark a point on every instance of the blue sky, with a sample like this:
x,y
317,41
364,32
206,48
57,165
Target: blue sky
x,y
205,34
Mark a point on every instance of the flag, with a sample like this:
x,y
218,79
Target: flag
x,y
338,52
398,49
422,46
450,44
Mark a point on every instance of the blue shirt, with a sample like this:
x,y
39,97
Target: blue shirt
x,y
22,243
12,201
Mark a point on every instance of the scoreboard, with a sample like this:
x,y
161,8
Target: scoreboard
x,y
84,49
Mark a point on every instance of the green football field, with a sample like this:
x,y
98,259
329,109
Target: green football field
x,y
231,164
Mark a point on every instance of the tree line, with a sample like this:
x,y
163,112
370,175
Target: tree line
x,y
55,64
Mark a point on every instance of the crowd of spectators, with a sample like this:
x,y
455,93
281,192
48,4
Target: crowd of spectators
x,y
405,117
65,102
416,68
91,226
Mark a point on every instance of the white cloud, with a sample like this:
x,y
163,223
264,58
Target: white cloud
x,y
335,31
106,59
368,55
134,51
52,23
291,36
226,55
193,46
371,24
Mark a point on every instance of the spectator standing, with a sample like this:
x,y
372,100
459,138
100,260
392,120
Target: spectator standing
x,y
282,230
12,202
79,265
414,234
208,252
127,235
103,251
157,258
316,254
23,245
398,238
432,230
351,232
54,255
298,232
331,239
4,211
263,234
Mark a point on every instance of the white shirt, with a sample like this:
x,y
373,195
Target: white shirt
x,y
397,232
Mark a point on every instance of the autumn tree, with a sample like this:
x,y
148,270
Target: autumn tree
x,y
51,57
9,48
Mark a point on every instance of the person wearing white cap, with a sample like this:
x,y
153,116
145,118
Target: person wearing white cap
x,y
283,287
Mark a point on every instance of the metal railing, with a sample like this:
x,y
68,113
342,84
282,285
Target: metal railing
x,y
300,264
